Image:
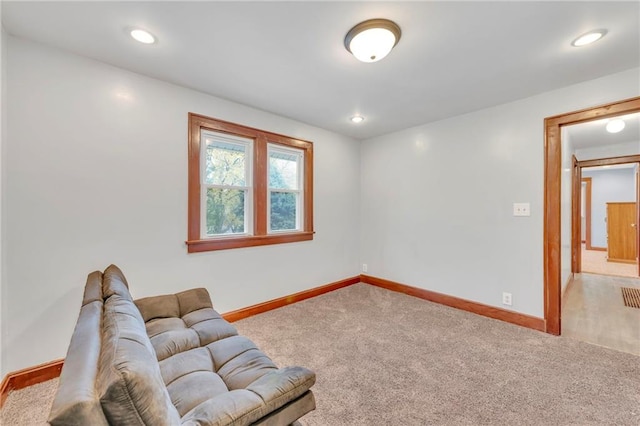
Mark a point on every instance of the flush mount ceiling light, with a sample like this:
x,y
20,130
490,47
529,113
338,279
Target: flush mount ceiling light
x,y
588,38
142,36
372,40
615,126
357,119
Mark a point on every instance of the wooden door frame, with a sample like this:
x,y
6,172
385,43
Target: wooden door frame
x,y
576,225
552,198
638,220
587,212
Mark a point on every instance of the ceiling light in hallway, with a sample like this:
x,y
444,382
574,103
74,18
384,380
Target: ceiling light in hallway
x,y
615,126
357,119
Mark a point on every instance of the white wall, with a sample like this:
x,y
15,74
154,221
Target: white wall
x,y
97,165
3,110
96,158
566,195
437,199
608,185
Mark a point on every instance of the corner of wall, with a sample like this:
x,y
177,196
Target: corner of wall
x,y
3,113
3,132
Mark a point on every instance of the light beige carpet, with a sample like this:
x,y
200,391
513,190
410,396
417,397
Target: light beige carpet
x,y
384,358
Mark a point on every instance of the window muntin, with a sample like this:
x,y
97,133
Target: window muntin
x,y
285,201
226,196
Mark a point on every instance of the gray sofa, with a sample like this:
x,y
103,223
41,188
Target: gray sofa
x,y
169,360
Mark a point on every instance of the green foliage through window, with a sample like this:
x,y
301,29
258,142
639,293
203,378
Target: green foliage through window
x,y
226,175
283,211
225,211
225,164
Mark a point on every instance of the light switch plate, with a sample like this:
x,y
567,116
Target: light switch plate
x,y
521,209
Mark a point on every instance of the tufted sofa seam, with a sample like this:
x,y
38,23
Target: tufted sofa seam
x,y
188,329
195,323
259,396
229,360
189,372
134,341
180,314
169,331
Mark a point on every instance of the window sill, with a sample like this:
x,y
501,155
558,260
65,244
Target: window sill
x,y
227,243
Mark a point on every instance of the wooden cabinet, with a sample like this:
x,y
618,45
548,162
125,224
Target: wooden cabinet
x,y
621,232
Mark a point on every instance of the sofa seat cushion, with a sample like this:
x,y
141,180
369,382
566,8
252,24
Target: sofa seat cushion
x,y
180,322
239,362
191,379
232,408
170,336
245,406
231,380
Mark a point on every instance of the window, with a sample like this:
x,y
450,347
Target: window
x,y
285,195
247,187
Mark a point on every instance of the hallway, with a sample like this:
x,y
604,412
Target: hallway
x,y
594,312
595,262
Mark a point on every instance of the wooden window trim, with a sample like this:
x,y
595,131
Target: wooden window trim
x,y
195,243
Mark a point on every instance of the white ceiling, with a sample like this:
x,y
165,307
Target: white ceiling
x,y
594,133
288,57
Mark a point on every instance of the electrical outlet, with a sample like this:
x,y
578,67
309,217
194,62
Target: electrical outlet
x,y
364,267
506,299
521,209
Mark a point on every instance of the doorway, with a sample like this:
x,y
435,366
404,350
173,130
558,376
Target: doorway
x,y
608,218
593,308
552,200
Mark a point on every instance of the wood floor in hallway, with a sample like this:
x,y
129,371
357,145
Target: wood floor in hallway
x,y
594,312
595,262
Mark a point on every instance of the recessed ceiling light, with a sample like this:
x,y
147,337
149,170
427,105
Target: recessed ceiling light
x,y
588,38
615,126
357,119
372,40
143,36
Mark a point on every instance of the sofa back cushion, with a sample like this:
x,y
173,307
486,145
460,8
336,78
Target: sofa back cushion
x,y
130,385
114,282
173,305
154,307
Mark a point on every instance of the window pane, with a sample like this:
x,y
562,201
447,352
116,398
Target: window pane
x,y
225,163
283,210
225,211
283,170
